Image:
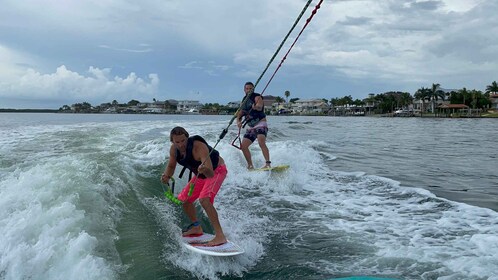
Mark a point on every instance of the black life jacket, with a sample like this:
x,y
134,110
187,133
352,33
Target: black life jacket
x,y
252,116
190,163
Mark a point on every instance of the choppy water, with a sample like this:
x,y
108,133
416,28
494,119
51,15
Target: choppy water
x,y
80,198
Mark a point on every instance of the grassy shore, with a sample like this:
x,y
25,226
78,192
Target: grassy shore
x,y
490,114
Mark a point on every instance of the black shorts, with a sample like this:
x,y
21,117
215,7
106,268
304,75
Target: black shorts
x,y
252,133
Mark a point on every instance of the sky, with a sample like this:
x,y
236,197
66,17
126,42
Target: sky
x,y
61,52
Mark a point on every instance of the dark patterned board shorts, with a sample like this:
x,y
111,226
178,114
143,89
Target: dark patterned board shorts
x,y
252,133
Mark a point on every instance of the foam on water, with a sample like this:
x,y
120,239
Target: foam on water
x,y
45,235
61,205
58,204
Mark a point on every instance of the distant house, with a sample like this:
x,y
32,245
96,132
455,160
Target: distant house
x,y
456,110
348,110
233,104
309,106
494,101
184,106
268,101
419,105
424,105
453,107
156,107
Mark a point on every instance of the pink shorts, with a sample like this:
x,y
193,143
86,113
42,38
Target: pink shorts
x,y
207,187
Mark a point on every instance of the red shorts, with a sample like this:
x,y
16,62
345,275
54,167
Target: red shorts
x,y
207,187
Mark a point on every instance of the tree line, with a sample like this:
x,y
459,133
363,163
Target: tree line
x,y
384,102
389,101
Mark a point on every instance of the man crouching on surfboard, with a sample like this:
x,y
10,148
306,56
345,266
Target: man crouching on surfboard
x,y
210,171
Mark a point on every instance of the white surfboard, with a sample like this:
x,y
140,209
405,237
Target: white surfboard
x,y
224,250
278,168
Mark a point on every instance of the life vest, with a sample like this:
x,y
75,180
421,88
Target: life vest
x,y
188,162
252,117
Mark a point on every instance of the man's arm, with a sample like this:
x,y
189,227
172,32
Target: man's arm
x,y
240,114
170,168
258,104
201,153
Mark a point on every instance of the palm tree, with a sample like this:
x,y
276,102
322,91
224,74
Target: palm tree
x,y
464,96
492,88
405,99
287,94
279,100
435,93
422,94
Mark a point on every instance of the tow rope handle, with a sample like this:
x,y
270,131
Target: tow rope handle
x,y
169,193
235,139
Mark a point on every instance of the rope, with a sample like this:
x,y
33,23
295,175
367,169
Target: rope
x,y
285,56
283,41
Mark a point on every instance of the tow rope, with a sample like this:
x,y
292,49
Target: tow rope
x,y
290,48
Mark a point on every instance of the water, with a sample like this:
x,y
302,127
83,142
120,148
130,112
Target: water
x,y
407,198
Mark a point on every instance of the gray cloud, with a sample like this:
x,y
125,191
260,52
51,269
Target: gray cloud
x,y
426,5
213,47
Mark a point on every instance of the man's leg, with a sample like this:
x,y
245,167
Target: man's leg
x,y
212,214
264,149
244,146
189,209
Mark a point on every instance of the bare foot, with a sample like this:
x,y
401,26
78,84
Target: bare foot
x,y
216,241
250,167
193,231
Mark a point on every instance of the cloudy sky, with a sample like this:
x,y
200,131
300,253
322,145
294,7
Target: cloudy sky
x,y
57,52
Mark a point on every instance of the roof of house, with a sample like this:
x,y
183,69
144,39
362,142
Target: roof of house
x,y
453,106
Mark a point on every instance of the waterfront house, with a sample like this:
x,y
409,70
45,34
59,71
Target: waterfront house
x,y
494,101
309,107
184,106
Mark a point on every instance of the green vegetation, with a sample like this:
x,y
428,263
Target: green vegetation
x,y
215,108
384,103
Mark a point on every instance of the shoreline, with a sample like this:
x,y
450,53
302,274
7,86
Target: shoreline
x,y
487,115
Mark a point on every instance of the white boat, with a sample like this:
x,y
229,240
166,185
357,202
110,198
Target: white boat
x,y
192,112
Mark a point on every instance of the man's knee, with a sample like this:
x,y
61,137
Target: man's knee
x,y
205,201
245,145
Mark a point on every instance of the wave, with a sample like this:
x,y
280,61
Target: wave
x,y
84,201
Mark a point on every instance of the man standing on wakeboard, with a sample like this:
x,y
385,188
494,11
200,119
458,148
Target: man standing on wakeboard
x,y
254,112
210,171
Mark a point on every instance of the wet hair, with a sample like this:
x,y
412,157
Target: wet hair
x,y
249,83
177,131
